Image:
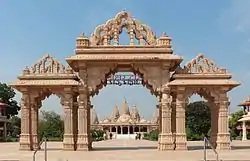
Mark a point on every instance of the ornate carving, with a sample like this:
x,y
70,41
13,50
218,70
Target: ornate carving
x,y
47,65
97,77
201,64
47,82
151,77
113,28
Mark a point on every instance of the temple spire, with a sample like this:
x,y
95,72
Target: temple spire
x,y
125,109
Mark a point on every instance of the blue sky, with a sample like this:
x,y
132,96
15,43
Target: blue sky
x,y
219,29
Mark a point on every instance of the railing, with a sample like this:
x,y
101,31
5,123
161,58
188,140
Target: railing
x,y
44,140
206,143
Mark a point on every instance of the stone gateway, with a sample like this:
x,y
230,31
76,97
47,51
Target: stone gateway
x,y
101,55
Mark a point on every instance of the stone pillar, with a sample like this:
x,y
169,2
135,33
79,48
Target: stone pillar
x,y
84,140
214,123
166,137
244,131
68,138
25,138
173,116
75,120
35,105
128,130
121,129
223,136
116,130
160,112
181,139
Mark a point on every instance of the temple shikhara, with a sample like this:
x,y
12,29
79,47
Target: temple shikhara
x,y
100,55
125,123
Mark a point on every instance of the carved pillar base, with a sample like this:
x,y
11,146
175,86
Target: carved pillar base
x,y
213,140
84,143
35,142
68,142
223,141
25,143
166,142
181,142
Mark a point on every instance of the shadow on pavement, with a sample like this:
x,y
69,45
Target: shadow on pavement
x,y
240,147
123,148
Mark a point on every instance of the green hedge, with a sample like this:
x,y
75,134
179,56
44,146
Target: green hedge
x,y
8,139
97,135
152,135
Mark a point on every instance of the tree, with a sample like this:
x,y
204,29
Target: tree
x,y
233,122
14,126
198,119
50,125
7,94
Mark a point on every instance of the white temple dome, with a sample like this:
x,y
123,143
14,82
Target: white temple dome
x,y
124,118
126,115
143,121
106,120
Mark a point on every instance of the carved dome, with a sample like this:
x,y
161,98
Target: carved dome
x,y
143,121
93,117
106,120
127,116
124,118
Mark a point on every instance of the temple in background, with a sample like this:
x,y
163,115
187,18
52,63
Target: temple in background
x,y
126,121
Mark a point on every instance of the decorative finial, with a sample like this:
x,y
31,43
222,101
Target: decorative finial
x,y
164,34
26,71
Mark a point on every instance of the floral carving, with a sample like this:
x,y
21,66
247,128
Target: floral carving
x,y
201,64
47,65
111,30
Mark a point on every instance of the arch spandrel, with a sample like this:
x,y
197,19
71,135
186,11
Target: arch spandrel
x,y
113,28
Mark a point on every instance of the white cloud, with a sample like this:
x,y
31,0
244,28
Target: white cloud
x,y
236,16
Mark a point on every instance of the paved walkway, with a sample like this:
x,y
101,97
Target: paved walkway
x,y
124,150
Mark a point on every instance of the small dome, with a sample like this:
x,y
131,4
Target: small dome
x,y
143,121
106,120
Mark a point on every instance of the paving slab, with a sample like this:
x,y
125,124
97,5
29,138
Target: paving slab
x,y
126,150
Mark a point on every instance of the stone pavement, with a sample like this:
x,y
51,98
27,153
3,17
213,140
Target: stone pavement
x,y
124,150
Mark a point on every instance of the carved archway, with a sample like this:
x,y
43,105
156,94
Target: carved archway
x,y
96,58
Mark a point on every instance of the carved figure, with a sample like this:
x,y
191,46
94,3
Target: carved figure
x,y
47,65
